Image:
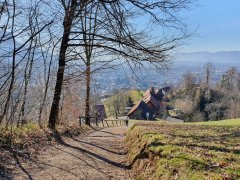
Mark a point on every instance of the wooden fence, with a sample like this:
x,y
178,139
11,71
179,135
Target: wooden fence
x,y
95,121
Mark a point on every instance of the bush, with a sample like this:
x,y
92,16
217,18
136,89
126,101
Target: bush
x,y
198,116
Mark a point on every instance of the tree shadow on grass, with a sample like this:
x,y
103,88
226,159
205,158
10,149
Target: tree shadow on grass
x,y
213,148
205,137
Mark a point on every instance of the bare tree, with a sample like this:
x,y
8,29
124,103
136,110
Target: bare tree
x,y
189,80
69,8
47,71
105,30
105,26
230,80
209,69
19,36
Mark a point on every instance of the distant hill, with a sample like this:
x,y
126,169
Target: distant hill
x,y
221,57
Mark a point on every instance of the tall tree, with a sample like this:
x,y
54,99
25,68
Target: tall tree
x,y
19,31
106,29
69,8
208,73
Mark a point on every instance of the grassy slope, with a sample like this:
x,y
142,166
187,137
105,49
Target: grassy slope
x,y
227,122
167,151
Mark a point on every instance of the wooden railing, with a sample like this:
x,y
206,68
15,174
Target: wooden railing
x,y
117,122
95,120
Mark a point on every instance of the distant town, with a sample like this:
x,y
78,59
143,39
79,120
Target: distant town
x,y
123,78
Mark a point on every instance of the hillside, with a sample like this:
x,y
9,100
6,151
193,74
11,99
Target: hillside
x,y
183,151
220,58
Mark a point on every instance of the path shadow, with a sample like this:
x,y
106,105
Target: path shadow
x,y
5,172
61,141
110,133
102,136
38,163
100,147
9,158
19,164
94,167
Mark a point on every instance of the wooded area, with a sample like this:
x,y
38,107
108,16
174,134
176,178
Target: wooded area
x,y
50,49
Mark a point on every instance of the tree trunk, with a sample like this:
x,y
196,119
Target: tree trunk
x,y
87,100
67,24
47,75
27,77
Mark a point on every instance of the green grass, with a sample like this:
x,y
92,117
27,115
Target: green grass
x,y
227,122
29,128
135,95
161,150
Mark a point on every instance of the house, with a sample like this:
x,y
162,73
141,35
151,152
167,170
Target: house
x,y
141,111
150,105
100,111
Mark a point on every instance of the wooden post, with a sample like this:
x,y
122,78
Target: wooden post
x,y
80,119
107,123
96,121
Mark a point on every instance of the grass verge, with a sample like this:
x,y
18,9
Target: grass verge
x,y
161,150
227,122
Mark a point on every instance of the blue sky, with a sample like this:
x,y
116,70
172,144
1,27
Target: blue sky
x,y
217,25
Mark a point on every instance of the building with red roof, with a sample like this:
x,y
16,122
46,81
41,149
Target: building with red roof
x,y
150,104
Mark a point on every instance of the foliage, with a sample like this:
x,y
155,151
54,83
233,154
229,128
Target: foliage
x,y
120,100
204,102
184,151
129,102
198,116
231,80
136,95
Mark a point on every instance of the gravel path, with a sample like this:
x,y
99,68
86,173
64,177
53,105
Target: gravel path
x,y
97,155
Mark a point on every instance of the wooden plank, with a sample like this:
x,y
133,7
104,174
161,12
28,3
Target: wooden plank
x,y
116,122
102,123
107,123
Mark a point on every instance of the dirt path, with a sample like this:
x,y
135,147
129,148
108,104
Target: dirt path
x,y
97,155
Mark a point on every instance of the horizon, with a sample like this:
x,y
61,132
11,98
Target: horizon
x,y
219,51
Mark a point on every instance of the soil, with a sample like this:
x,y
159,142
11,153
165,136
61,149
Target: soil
x,y
96,155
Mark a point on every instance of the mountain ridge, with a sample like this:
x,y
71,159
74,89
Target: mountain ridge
x,y
232,57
